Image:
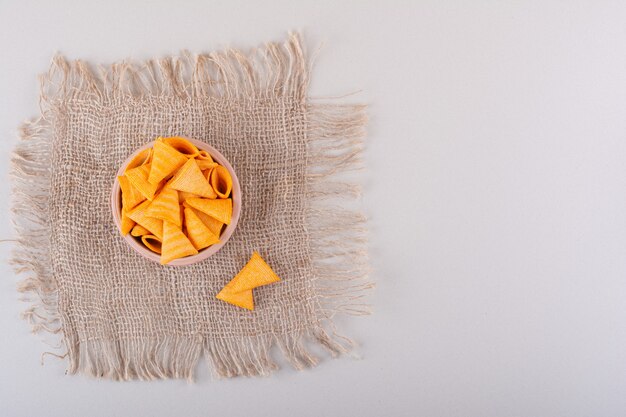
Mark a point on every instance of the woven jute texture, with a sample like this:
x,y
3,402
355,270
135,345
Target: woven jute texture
x,y
121,316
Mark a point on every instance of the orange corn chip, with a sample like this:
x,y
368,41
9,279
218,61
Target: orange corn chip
x,y
160,186
131,197
205,156
139,230
127,223
243,299
138,177
205,161
184,195
165,207
152,242
197,232
175,244
166,160
221,210
214,225
221,181
183,146
207,173
204,165
138,214
189,178
254,274
141,158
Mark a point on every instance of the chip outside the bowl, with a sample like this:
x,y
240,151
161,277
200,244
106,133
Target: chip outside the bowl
x,y
244,299
254,274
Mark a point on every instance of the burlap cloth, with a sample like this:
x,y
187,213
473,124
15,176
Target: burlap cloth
x,y
121,316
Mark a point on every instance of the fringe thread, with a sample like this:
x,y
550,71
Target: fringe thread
x,y
265,73
30,173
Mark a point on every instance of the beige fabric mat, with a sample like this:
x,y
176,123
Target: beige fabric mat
x,y
120,316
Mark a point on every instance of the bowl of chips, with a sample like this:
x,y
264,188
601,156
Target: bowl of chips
x,y
176,201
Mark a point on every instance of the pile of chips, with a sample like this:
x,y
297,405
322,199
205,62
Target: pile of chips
x,y
175,198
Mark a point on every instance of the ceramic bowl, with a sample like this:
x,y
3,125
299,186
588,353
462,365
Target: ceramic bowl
x,y
137,245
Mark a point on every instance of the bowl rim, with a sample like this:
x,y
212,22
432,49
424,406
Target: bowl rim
x,y
116,207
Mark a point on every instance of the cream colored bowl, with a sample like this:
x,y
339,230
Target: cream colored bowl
x,y
116,209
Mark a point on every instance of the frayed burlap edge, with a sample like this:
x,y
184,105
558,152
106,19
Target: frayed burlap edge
x,y
30,172
337,235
